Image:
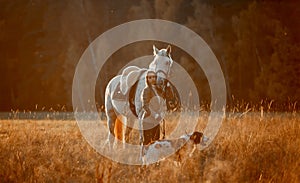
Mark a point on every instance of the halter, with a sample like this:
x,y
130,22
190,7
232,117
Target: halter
x,y
161,71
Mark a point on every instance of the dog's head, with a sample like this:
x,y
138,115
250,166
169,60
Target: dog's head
x,y
196,137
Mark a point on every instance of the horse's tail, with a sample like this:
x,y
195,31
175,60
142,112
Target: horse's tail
x,y
118,128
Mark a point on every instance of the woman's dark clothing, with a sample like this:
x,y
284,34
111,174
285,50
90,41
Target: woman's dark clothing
x,y
151,126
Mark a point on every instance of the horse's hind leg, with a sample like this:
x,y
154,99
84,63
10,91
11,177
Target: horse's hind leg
x,y
128,129
118,131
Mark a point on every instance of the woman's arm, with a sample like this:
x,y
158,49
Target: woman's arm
x,y
146,97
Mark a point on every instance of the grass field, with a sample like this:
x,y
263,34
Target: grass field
x,y
248,148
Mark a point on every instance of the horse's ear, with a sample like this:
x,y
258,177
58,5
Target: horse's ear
x,y
155,50
169,49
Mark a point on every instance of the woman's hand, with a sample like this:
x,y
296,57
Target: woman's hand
x,y
157,117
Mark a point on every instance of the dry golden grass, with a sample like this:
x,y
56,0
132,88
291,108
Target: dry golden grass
x,y
248,148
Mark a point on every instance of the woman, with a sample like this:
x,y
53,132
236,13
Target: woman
x,y
150,115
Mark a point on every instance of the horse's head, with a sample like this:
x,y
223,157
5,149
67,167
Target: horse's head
x,y
162,64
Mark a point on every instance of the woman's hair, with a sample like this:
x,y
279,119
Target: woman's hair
x,y
151,72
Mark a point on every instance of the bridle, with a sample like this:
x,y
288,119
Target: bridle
x,y
163,81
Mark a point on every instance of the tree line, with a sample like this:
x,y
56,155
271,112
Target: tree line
x,y
256,43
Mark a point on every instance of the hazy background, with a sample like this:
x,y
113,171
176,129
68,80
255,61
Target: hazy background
x,y
256,42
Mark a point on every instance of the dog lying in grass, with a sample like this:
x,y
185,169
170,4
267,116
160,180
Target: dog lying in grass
x,y
183,146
